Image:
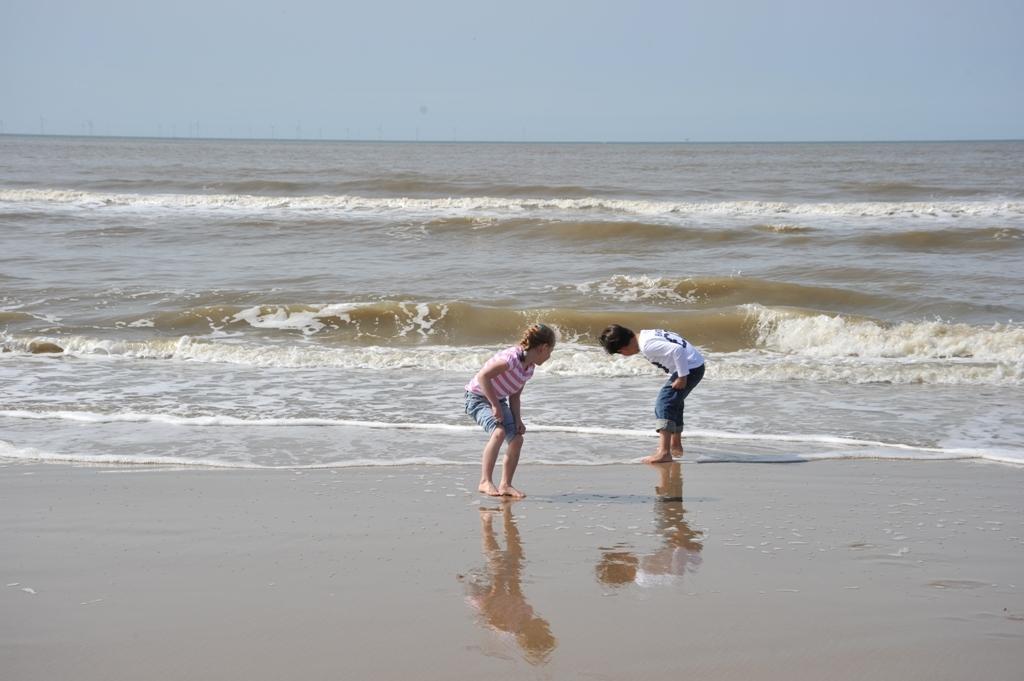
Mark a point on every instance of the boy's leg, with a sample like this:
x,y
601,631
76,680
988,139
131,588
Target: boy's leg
x,y
676,425
665,409
664,453
676,445
691,382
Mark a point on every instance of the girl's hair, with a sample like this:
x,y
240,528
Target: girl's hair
x,y
537,334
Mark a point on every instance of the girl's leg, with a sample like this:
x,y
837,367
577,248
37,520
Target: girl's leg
x,y
487,461
508,468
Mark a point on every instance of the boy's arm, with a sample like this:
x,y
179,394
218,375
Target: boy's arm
x,y
669,354
682,368
675,356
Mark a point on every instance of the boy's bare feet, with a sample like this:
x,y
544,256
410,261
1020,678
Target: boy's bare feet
x,y
510,491
489,489
658,457
677,452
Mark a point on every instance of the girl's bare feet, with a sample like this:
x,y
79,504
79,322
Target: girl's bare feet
x,y
510,491
488,488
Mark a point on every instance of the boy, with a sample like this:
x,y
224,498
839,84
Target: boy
x,y
675,356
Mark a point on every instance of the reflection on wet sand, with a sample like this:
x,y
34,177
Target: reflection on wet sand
x,y
680,549
496,592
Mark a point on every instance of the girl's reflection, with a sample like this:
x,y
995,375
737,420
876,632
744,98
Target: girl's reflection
x,y
680,549
495,590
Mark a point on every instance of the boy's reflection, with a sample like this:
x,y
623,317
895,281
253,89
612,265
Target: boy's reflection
x,y
681,546
496,592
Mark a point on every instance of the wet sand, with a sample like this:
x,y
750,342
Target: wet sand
x,y
837,570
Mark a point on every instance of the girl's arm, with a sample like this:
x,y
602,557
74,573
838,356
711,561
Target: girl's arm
x,y
491,370
513,404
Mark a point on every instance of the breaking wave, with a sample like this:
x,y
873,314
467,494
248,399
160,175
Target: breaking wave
x,y
459,205
781,345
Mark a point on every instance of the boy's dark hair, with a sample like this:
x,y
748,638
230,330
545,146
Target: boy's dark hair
x,y
615,337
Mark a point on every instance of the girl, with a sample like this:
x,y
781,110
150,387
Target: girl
x,y
492,399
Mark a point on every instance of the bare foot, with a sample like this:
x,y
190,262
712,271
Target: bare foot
x,y
489,489
677,452
510,491
658,457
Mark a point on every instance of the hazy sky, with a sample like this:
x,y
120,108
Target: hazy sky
x,y
708,70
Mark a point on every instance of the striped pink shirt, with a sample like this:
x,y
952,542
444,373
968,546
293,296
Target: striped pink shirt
x,y
508,382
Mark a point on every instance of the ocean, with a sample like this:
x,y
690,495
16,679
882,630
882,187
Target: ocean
x,y
317,304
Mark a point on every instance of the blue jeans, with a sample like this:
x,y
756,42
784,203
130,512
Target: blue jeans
x,y
479,408
668,408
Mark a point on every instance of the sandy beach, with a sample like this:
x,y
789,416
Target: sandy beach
x,y
838,570
253,260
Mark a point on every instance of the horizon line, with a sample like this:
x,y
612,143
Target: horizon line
x,y
500,141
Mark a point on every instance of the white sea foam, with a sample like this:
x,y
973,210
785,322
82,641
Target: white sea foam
x,y
771,367
746,366
893,452
696,433
634,288
414,319
9,451
307,321
245,203
793,347
229,421
825,336
897,454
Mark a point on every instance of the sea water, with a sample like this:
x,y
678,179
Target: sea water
x,y
322,304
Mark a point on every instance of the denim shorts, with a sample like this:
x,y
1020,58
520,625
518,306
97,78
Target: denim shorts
x,y
479,408
670,403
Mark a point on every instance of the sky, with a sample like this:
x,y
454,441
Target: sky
x,y
572,70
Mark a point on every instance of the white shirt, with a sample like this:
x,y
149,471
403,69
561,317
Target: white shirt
x,y
669,351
